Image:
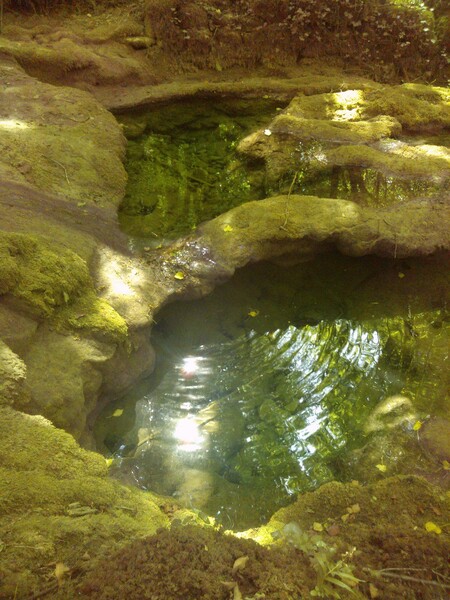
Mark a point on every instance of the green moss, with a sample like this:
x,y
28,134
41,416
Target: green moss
x,y
66,503
359,132
55,283
93,314
415,106
410,161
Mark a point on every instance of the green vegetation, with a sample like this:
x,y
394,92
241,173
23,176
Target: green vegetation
x,y
54,283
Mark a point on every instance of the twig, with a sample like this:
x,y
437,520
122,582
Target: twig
x,y
61,165
388,574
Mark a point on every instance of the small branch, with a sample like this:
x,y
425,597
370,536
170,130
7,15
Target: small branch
x,y
389,574
60,165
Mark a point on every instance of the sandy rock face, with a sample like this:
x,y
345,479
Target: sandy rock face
x,y
62,178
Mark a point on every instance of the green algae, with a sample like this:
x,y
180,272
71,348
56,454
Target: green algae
x,y
183,170
54,283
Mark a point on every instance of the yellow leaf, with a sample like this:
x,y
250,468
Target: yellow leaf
x,y
61,571
118,412
344,517
317,526
228,228
109,462
253,313
179,275
446,465
355,508
433,528
382,468
401,275
417,425
374,592
240,563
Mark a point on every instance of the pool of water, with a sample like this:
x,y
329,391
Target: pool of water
x,y
184,168
283,379
182,164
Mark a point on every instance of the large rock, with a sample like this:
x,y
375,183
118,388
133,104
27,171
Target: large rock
x,y
57,505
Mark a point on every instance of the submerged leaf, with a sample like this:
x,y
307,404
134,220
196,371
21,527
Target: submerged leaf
x,y
118,412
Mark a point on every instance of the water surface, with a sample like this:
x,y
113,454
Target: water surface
x,y
286,378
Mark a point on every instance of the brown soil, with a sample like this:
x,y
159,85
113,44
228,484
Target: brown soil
x,y
193,563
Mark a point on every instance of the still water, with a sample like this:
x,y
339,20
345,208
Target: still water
x,y
284,379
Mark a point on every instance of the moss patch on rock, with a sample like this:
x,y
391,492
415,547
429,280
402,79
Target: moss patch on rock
x,y
54,282
12,375
414,106
398,159
57,505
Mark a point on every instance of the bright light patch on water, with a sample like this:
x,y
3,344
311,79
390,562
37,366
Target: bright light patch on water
x,y
190,366
188,435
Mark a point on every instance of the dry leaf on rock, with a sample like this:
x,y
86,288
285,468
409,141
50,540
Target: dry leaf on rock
x,y
239,563
61,570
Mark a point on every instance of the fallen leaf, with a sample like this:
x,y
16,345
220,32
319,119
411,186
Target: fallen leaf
x,y
61,571
230,585
228,228
317,526
417,425
446,465
401,275
374,592
179,275
118,412
382,468
253,313
355,508
344,517
237,593
433,528
239,563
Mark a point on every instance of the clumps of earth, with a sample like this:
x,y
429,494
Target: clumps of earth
x,y
192,562
340,541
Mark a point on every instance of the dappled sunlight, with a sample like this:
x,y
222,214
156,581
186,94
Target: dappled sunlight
x,y
118,277
348,105
14,124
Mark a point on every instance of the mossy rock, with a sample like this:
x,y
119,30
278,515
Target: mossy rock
x,y
57,504
54,282
414,106
12,375
396,159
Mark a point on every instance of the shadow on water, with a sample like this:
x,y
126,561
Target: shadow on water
x,y
283,379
